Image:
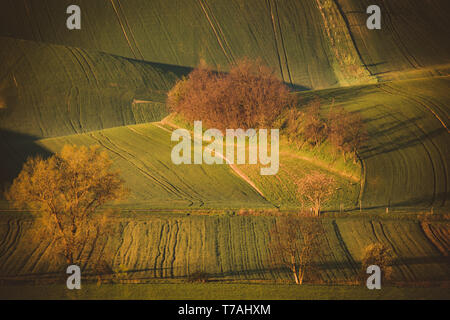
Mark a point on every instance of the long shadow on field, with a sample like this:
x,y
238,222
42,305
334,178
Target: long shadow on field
x,y
439,199
15,148
399,142
180,71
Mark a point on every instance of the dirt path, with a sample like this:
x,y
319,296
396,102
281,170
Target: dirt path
x,y
233,167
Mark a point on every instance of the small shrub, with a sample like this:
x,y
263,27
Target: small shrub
x,y
380,255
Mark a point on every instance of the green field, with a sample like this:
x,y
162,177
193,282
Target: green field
x,y
220,291
53,90
405,162
172,246
107,84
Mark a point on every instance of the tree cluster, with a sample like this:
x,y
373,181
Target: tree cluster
x,y
249,96
345,131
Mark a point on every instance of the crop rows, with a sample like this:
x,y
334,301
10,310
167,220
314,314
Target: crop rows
x,y
224,247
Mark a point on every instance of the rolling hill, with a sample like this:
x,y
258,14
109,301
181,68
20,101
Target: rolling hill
x,y
106,84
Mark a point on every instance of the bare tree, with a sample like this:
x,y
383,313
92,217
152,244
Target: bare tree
x,y
316,188
66,190
294,242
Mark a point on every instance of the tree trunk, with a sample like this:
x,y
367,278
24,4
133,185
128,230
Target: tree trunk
x,y
294,269
301,274
296,278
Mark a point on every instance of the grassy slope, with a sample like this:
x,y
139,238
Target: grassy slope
x,y
143,154
55,90
413,37
281,190
290,35
173,246
305,41
405,160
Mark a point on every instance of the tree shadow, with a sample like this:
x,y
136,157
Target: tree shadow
x,y
15,149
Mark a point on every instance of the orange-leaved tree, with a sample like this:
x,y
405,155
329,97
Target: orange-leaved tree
x,y
65,190
249,96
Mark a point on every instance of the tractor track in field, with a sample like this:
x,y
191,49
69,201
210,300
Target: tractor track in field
x,y
129,28
348,255
440,241
385,88
169,188
283,43
401,45
123,29
187,186
222,34
203,5
275,38
234,168
430,158
394,249
13,238
417,99
174,248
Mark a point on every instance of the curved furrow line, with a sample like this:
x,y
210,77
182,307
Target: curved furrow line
x,y
347,254
123,28
161,177
6,238
85,58
13,244
164,254
167,186
283,46
215,31
130,239
417,100
157,246
174,249
40,256
275,38
72,51
385,140
394,249
145,173
129,29
122,227
393,142
222,34
441,244
399,40
441,157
